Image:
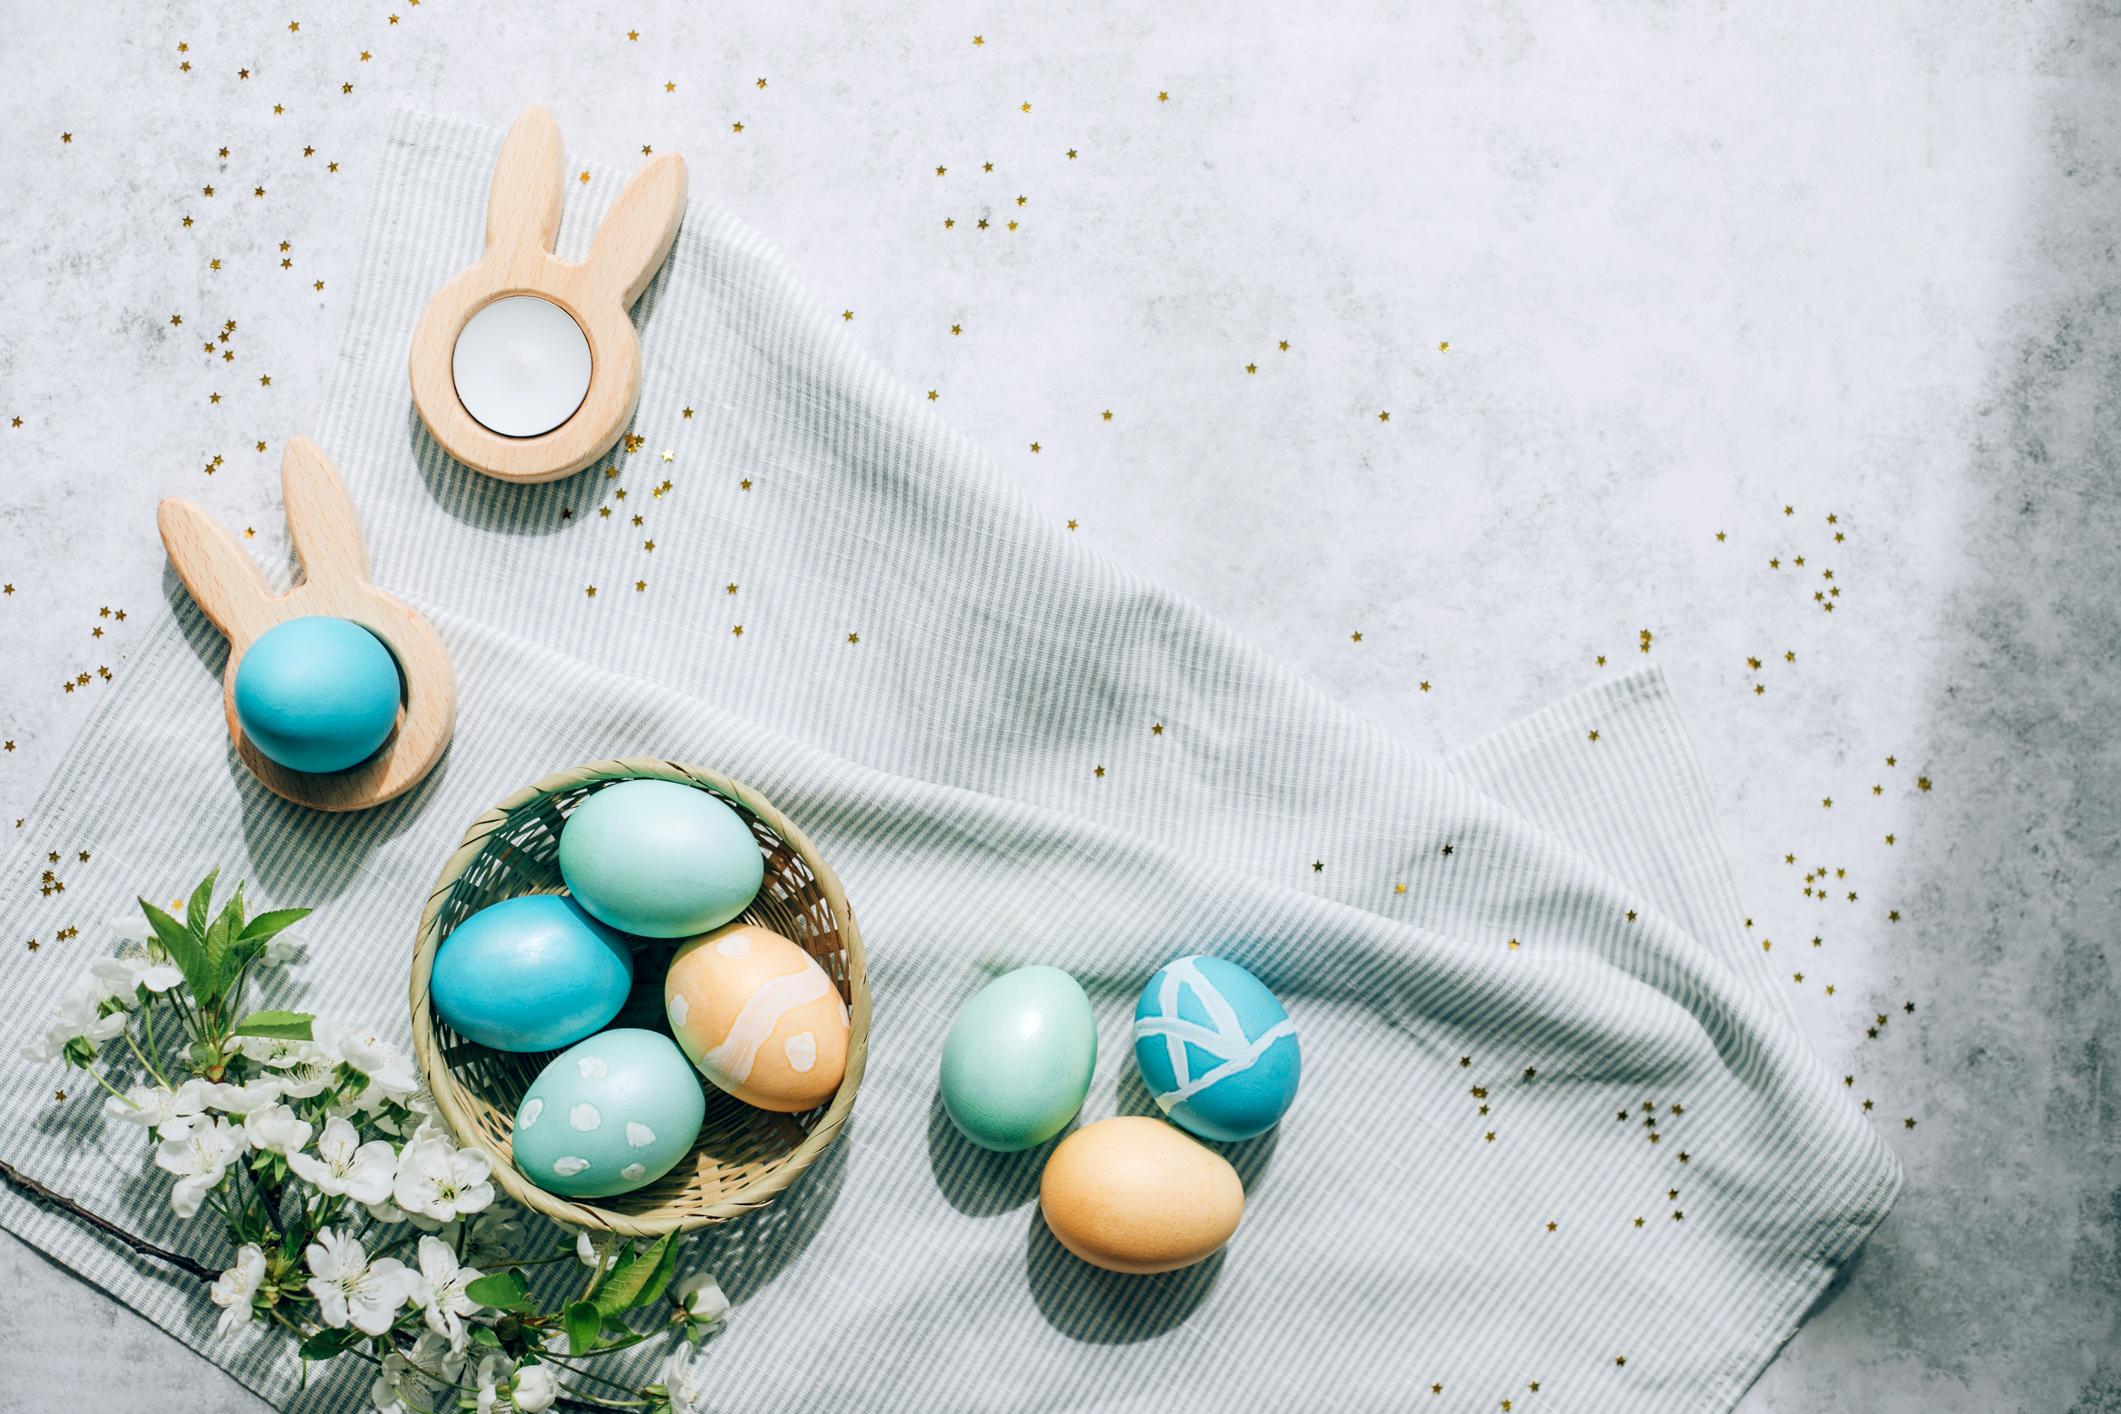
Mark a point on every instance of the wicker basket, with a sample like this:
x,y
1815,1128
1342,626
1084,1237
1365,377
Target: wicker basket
x,y
743,1156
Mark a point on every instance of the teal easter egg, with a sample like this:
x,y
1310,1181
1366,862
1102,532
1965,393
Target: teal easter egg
x,y
1217,1051
530,974
660,859
1017,1061
317,694
608,1115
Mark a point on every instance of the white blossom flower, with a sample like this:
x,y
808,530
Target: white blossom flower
x,y
408,1372
390,1071
438,1181
234,1288
496,1230
494,1372
441,1291
297,1067
122,976
242,1099
535,1389
199,1158
276,1129
351,1289
345,1166
586,1250
77,1014
170,1113
701,1297
131,928
685,1381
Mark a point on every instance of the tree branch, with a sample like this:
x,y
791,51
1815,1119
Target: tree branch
x,y
20,1180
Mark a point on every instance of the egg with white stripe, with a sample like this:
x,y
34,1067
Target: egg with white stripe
x,y
1217,1051
759,1017
608,1115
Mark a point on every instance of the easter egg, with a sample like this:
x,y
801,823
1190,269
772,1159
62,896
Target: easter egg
x,y
759,1017
1216,1050
1132,1194
530,974
660,859
1017,1061
317,694
608,1115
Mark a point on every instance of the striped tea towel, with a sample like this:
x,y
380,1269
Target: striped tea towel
x,y
1553,1128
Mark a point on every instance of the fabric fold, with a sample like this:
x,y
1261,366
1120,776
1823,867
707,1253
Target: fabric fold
x,y
1529,1008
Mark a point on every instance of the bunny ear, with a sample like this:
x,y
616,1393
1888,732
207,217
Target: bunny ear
x,y
636,235
222,577
523,204
320,518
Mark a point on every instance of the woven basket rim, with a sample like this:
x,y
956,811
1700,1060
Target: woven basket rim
x,y
450,1098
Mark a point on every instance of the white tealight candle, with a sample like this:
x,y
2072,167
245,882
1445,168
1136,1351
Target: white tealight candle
x,y
521,366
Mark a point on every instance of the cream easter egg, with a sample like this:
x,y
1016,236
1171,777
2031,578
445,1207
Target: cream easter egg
x,y
758,1017
1133,1194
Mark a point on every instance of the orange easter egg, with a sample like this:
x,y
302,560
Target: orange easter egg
x,y
1132,1194
758,1017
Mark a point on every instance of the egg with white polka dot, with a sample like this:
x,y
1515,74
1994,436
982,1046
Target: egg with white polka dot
x,y
759,1017
608,1115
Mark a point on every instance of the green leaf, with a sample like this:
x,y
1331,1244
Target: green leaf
x,y
220,945
503,1290
665,1268
270,923
583,1326
621,1290
187,951
483,1335
202,902
328,1342
276,1025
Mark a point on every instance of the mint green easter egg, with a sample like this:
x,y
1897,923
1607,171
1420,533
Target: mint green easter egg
x,y
659,859
1018,1059
608,1115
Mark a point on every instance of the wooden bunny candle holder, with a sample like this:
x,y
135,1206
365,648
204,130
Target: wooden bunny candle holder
x,y
231,590
496,367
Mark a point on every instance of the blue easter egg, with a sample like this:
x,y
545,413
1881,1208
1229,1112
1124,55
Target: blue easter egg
x,y
660,859
530,974
617,1111
317,694
1217,1051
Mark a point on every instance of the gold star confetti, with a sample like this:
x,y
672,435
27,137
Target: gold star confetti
x,y
1163,95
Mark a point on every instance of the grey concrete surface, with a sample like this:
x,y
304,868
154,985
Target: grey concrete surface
x,y
1733,297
